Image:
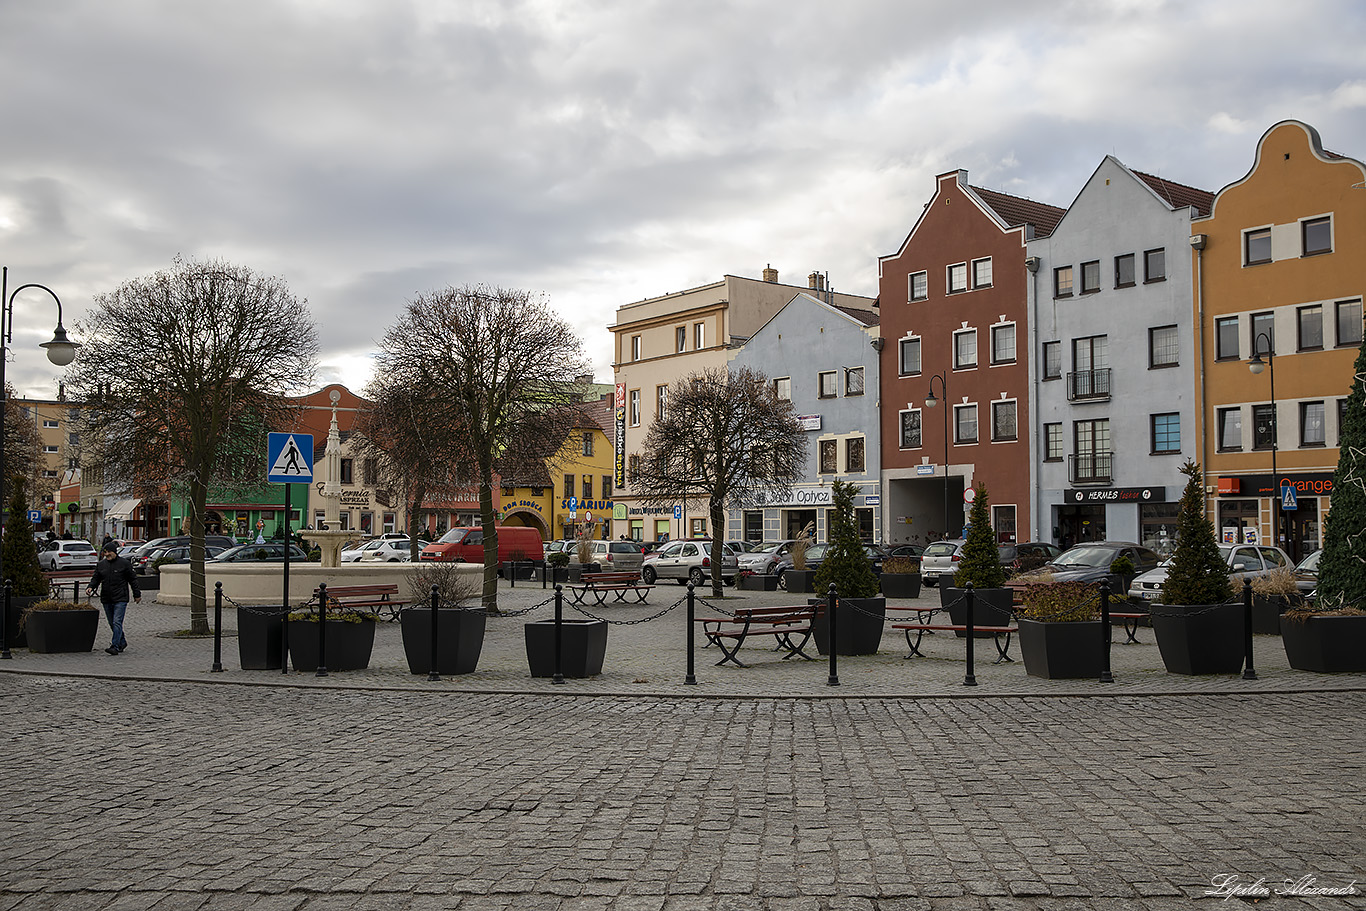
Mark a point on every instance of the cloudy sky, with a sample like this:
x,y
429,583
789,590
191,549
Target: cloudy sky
x,y
598,152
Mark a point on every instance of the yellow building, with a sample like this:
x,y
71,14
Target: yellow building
x,y
1278,273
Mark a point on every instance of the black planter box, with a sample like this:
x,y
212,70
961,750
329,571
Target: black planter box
x,y
525,570
757,583
799,581
348,645
1199,639
1062,651
558,574
583,646
51,631
857,632
15,637
150,582
1328,645
259,630
459,633
900,585
1266,613
990,607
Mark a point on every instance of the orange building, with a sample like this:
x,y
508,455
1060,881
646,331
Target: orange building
x,y
1278,273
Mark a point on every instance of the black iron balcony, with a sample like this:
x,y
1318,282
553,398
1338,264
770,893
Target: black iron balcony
x,y
1091,467
1088,385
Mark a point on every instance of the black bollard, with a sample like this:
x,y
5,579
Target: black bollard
x,y
217,629
558,676
1249,672
512,573
322,630
284,638
1105,676
970,678
691,678
830,602
431,672
4,622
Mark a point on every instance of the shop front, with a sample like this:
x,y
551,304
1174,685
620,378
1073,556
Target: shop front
x,y
1249,506
1138,514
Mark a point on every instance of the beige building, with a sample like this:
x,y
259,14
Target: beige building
x,y
660,340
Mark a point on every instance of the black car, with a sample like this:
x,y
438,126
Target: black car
x,y
269,552
815,556
1090,562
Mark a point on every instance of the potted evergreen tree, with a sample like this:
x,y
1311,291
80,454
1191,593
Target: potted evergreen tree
x,y
980,565
1198,625
859,611
19,558
1330,636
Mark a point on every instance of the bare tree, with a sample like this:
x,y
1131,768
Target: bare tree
x,y
23,446
501,367
182,373
724,437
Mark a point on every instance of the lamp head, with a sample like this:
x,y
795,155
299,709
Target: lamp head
x,y
1256,365
61,350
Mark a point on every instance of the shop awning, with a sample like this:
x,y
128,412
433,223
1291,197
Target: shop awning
x,y
122,509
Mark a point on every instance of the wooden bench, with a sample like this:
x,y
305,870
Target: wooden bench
x,y
600,585
61,581
375,598
920,629
1130,621
785,624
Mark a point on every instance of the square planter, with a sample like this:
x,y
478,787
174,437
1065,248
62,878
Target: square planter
x,y
521,570
15,635
459,635
558,574
348,644
900,585
757,583
857,632
1328,645
1266,613
583,646
1062,651
799,581
1200,638
51,631
990,607
259,630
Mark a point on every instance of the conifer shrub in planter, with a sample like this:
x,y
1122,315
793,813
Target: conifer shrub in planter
x,y
1199,628
859,612
1122,572
557,565
19,563
1061,634
900,577
61,626
980,565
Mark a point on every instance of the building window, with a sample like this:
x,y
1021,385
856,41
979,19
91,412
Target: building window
x,y
588,442
1003,522
370,472
681,339
52,472
1166,433
1155,265
1264,323
1124,270
348,471
1349,322
829,456
632,467
634,398
606,486
910,356
958,277
1311,327
588,487
50,425
1317,235
635,347
1256,246
919,285
1230,429
50,450
1052,442
1163,347
1090,277
965,349
699,336
1052,360
74,439
981,273
1003,344
827,384
568,486
965,424
1226,338
1263,427
1093,456
782,388
1003,424
1062,281
910,429
853,455
661,399
1311,424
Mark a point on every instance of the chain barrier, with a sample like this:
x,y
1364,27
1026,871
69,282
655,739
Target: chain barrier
x,y
523,611
655,616
708,605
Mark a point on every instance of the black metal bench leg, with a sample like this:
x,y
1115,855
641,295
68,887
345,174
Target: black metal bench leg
x,y
729,654
1130,630
914,646
1003,652
798,649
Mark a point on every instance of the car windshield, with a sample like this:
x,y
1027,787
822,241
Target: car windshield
x,y
769,548
454,536
941,549
1088,556
1310,563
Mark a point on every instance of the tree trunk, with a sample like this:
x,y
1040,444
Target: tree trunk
x,y
717,546
199,614
488,520
414,516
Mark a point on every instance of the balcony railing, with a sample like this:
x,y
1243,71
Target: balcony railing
x,y
1091,467
1083,385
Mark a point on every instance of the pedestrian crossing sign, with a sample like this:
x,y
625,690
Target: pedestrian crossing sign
x,y
287,459
1288,500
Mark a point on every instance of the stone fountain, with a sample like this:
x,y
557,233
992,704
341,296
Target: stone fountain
x,y
330,538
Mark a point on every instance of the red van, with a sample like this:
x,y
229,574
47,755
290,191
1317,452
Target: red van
x,y
466,545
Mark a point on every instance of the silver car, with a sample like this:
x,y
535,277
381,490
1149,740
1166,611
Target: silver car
x,y
611,556
940,559
1245,561
688,561
390,550
766,558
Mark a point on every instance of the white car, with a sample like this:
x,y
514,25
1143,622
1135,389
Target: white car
x,y
764,559
389,551
357,553
1245,561
61,555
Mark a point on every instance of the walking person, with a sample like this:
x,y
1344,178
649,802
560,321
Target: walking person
x,y
112,577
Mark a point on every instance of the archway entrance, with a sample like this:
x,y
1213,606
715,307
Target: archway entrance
x,y
528,519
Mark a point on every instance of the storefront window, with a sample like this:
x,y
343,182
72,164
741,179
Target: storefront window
x,y
1158,526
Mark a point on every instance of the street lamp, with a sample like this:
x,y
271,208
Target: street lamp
x,y
931,402
60,351
1256,366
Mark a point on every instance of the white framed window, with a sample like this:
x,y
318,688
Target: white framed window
x,y
981,273
964,349
827,384
681,339
635,347
50,424
699,336
964,424
909,349
1155,265
957,278
1003,343
633,406
853,381
910,429
1003,421
50,450
661,399
782,388
918,285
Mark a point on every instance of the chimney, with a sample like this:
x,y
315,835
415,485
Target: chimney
x,y
770,274
815,281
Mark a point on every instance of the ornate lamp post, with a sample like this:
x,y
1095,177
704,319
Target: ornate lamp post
x,y
931,402
1256,366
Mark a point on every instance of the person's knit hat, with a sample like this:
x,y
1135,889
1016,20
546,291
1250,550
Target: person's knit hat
x,y
110,548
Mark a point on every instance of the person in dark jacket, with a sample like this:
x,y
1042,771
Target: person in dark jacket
x,y
112,577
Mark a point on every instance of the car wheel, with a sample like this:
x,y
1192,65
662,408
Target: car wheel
x,y
648,576
695,576
782,581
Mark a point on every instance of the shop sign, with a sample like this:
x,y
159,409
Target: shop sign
x,y
798,496
809,421
355,497
619,418
1119,495
1307,484
573,504
523,504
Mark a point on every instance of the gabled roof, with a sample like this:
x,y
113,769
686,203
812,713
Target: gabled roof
x,y
1178,195
1016,211
867,317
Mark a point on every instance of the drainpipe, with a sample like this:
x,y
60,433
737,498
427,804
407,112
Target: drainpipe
x,y
1197,242
1035,482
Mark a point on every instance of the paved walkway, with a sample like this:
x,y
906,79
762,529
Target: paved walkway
x,y
145,781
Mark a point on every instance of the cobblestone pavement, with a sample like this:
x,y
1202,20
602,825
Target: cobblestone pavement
x,y
378,790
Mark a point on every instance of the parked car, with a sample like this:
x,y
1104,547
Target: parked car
x,y
1245,561
466,545
815,556
147,547
356,552
688,561
1027,556
180,553
63,555
914,551
740,548
611,556
389,550
269,552
940,559
1307,574
765,559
